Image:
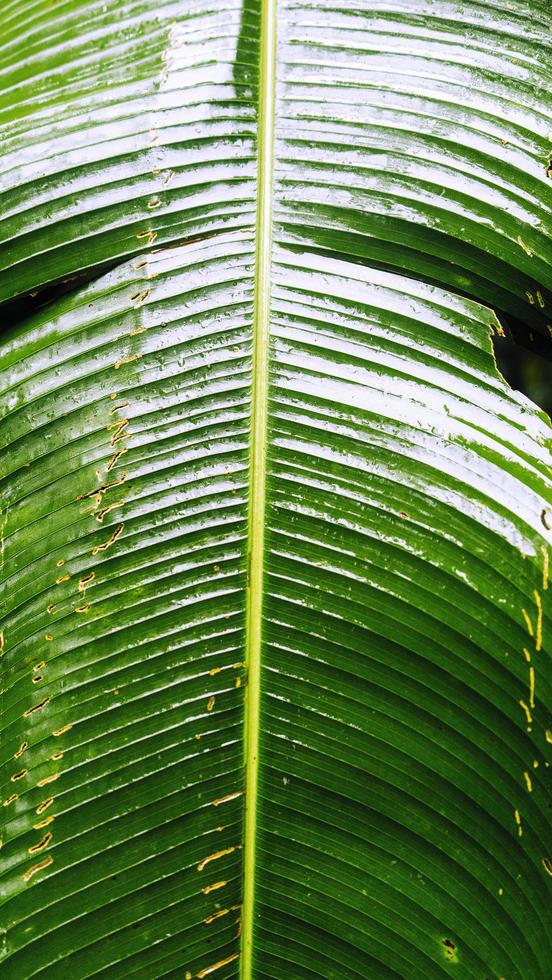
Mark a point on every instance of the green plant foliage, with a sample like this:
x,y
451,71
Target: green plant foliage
x,y
275,641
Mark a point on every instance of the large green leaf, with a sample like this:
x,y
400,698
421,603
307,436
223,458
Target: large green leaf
x,y
257,444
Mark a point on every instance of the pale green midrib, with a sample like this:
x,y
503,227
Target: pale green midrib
x,y
257,471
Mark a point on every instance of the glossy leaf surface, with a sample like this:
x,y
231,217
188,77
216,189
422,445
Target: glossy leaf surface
x,y
274,529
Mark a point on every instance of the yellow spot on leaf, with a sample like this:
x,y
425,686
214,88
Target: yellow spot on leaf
x,y
214,887
538,638
61,731
226,799
528,782
215,857
48,779
211,703
216,966
525,247
126,360
45,863
532,687
44,823
517,818
528,622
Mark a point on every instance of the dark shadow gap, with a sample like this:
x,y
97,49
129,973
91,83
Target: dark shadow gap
x,y
527,367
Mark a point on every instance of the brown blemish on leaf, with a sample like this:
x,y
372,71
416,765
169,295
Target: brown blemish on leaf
x,y
117,408
48,636
107,544
105,510
56,756
103,489
118,427
38,867
19,775
36,707
40,666
211,703
11,799
44,805
86,581
21,749
115,459
544,519
547,865
450,950
154,202
140,297
42,844
50,609
37,678
62,578
61,731
60,562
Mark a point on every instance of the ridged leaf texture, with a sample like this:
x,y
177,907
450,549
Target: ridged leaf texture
x,y
276,628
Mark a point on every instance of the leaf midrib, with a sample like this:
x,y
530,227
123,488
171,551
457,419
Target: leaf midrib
x,y
257,467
